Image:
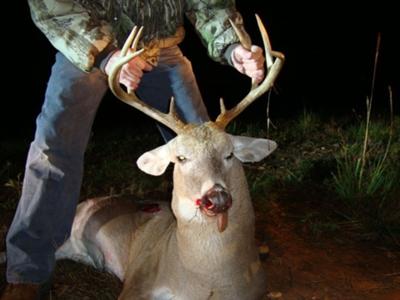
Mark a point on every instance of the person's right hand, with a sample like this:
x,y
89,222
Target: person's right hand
x,y
131,73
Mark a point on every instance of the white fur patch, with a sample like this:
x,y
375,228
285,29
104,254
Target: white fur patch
x,y
248,149
162,293
156,161
188,210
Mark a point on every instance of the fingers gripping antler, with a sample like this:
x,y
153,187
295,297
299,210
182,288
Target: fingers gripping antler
x,y
127,53
273,69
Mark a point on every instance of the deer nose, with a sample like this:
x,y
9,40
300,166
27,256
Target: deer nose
x,y
217,199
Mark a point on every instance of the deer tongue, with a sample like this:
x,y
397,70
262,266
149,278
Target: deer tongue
x,y
222,221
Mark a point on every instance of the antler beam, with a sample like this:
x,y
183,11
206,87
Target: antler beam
x,y
273,69
128,52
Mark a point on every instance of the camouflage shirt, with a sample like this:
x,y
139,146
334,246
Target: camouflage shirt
x,y
84,30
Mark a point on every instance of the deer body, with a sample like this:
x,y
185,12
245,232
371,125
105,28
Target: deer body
x,y
179,254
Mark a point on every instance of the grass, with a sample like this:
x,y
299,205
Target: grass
x,y
367,177
376,177
110,165
12,159
319,225
326,156
368,172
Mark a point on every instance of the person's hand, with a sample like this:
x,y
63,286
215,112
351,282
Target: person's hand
x,y
131,73
249,62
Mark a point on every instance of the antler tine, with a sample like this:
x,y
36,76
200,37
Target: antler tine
x,y
222,105
266,41
136,39
170,119
256,91
243,38
128,42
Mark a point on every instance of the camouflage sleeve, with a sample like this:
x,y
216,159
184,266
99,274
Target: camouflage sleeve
x,y
210,19
72,30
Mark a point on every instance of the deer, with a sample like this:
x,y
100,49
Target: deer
x,y
202,244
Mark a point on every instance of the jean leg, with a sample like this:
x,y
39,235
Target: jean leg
x,y
173,77
53,172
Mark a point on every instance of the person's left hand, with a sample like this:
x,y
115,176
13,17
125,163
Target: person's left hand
x,y
131,72
249,62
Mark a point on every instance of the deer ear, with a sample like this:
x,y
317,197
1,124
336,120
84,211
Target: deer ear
x,y
154,162
248,149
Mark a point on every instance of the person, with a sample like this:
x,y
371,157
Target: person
x,y
88,35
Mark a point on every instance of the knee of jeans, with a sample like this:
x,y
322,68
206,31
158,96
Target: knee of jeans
x,y
75,90
48,165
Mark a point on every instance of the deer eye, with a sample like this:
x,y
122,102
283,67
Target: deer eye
x,y
229,156
181,158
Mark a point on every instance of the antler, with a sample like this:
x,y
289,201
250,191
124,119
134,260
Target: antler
x,y
129,52
273,69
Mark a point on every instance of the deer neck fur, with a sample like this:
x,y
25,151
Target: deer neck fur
x,y
202,248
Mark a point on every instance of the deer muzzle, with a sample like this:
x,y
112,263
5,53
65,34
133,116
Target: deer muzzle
x,y
216,202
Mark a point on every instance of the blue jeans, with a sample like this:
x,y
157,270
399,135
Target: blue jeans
x,y
54,167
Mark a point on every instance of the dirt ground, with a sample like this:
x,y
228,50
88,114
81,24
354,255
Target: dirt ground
x,y
299,266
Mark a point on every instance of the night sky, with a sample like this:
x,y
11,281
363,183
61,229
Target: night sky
x,y
330,52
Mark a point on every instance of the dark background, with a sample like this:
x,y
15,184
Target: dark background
x,y
330,51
